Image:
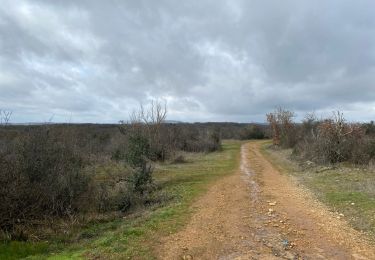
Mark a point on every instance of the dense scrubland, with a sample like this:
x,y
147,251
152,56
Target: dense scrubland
x,y
55,176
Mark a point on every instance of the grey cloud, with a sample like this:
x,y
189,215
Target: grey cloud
x,y
211,60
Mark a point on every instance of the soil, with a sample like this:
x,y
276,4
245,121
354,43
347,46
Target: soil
x,y
258,213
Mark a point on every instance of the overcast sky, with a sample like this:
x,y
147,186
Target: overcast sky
x,y
210,60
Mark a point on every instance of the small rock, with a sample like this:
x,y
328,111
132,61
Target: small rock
x,y
272,203
268,245
187,257
289,255
309,163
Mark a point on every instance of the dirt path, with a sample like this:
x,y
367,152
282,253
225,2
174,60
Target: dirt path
x,y
258,213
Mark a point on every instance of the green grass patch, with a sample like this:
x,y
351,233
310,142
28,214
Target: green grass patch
x,y
17,250
135,236
345,188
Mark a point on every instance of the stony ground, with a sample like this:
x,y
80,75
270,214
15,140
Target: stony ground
x,y
258,213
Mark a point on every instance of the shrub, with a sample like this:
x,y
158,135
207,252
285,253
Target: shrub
x,y
252,132
364,151
141,177
283,128
334,140
138,150
40,176
214,140
179,159
369,128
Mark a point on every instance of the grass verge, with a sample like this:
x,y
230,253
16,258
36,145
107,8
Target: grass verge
x,y
134,236
346,189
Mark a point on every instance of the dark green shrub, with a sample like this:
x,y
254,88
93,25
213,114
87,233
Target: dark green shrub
x,y
138,151
138,159
252,132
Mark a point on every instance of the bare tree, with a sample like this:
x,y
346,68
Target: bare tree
x,y
272,120
281,121
149,121
154,114
5,116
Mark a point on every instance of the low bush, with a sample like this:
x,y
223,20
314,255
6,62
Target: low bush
x,y
179,159
252,132
331,140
